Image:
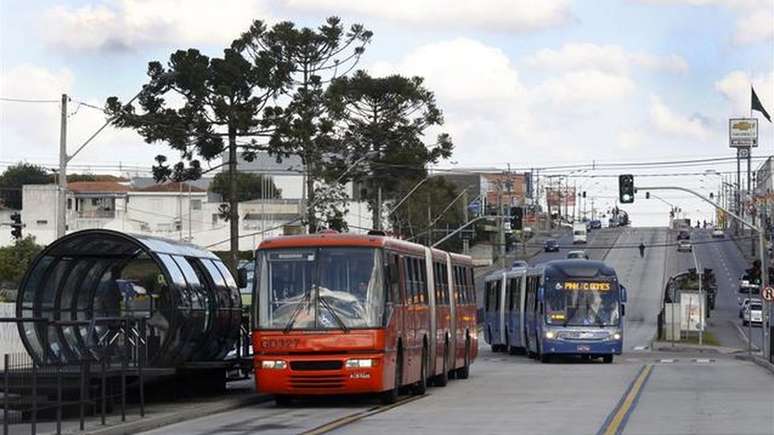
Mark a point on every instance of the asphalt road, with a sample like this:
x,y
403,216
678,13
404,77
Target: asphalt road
x,y
644,280
642,392
728,263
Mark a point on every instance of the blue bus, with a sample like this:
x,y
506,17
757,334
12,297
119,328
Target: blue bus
x,y
504,316
574,307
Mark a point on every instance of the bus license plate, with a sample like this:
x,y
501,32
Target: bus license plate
x,y
584,348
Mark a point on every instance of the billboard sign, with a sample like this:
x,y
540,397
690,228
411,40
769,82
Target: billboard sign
x,y
743,132
691,310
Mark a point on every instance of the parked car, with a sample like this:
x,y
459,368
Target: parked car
x,y
595,224
551,245
717,233
683,235
580,255
684,246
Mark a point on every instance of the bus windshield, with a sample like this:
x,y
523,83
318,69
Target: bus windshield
x,y
320,288
574,303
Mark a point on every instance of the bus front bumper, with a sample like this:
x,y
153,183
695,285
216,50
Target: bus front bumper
x,y
320,375
568,347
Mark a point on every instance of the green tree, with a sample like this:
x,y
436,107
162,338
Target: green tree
x,y
15,259
16,176
304,128
225,101
389,116
249,186
434,206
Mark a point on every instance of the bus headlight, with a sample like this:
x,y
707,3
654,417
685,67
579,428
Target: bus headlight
x,y
359,363
550,335
617,336
274,364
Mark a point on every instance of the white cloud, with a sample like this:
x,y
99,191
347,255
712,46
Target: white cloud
x,y
754,17
507,15
674,124
586,86
130,24
460,70
735,87
610,58
30,131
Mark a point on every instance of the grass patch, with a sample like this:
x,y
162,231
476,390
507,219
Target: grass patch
x,y
708,339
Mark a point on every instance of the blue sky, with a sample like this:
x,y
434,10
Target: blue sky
x,y
521,82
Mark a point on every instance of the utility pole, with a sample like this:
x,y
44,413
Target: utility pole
x,y
61,221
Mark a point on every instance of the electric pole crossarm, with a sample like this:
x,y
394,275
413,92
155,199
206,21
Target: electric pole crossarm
x,y
448,236
705,199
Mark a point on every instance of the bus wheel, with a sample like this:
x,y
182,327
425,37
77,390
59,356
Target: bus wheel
x,y
607,359
283,400
391,396
464,371
421,386
443,379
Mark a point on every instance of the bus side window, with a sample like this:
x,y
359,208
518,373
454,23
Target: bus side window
x,y
511,293
393,277
517,295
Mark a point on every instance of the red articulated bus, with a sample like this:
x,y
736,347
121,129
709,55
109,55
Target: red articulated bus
x,y
346,314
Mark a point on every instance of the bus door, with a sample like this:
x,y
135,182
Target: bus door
x,y
410,321
431,302
501,307
453,278
530,313
522,310
397,296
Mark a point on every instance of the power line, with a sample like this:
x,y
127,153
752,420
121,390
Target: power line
x,y
27,100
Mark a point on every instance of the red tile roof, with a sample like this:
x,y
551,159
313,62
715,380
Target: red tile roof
x,y
170,187
98,187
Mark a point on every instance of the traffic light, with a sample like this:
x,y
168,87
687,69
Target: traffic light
x,y
16,226
647,195
584,193
626,188
517,215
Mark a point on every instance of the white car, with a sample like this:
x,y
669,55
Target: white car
x,y
753,313
717,233
578,255
684,246
744,303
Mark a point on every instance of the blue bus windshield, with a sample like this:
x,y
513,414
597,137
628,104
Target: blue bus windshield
x,y
582,303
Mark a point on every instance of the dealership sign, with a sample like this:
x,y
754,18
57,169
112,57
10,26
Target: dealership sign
x,y
743,132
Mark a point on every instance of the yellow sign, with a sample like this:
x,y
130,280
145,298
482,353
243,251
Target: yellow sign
x,y
597,286
743,125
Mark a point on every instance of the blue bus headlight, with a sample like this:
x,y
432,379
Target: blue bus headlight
x,y
550,335
617,336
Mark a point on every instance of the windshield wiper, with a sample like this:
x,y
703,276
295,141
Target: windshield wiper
x,y
336,317
301,304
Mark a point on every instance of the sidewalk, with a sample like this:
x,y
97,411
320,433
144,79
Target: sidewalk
x,y
156,414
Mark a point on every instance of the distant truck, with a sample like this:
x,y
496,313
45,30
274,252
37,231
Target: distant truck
x,y
579,233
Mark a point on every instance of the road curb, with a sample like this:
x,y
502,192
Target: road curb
x,y
757,360
666,346
150,423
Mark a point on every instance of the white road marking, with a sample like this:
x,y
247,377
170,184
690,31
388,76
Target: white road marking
x,y
667,361
640,347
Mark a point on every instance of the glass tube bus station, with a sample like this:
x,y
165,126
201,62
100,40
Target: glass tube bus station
x,y
185,298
